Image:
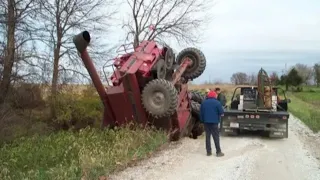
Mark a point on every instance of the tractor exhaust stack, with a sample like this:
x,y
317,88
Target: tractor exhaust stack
x,y
81,42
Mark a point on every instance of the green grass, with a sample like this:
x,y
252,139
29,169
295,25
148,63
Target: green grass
x,y
311,88
309,97
89,153
304,109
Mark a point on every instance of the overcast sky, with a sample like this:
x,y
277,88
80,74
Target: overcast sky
x,y
245,34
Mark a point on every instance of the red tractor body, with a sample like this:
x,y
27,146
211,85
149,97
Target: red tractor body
x,y
148,88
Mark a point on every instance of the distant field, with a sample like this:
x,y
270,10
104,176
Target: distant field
x,y
76,89
226,88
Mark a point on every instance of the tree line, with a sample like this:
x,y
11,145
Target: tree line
x,y
36,35
299,74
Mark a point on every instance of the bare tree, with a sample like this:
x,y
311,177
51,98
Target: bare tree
x,y
274,77
252,79
61,20
178,19
305,72
2,50
239,78
17,25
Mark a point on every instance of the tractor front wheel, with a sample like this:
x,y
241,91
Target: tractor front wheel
x,y
160,98
198,62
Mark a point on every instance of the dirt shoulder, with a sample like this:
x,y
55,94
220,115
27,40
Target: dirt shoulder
x,y
311,141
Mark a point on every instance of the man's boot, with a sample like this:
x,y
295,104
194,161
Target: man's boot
x,y
220,154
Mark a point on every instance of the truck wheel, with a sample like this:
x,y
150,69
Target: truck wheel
x,y
197,96
198,62
160,98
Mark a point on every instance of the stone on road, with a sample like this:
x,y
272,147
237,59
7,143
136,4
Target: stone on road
x,y
247,157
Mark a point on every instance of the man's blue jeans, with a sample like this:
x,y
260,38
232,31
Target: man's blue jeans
x,y
211,129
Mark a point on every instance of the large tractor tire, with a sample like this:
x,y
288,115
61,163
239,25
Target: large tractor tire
x,y
161,69
197,129
197,96
195,109
160,98
198,62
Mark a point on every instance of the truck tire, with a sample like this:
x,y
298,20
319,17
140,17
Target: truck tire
x,y
160,98
198,62
197,96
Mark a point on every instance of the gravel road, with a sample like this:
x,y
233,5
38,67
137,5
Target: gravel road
x,y
246,157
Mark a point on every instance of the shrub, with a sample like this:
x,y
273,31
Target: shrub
x,y
26,96
312,90
14,124
78,111
299,89
89,91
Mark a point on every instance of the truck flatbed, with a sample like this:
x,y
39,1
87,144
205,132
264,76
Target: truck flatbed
x,y
275,122
258,111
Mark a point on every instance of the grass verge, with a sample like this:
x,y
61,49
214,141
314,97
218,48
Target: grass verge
x,y
87,154
306,112
309,97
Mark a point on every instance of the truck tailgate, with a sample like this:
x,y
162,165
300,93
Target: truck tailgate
x,y
272,117
276,122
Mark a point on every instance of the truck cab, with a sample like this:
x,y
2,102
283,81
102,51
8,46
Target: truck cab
x,y
246,113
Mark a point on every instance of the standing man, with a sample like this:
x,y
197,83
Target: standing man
x,y
210,112
221,97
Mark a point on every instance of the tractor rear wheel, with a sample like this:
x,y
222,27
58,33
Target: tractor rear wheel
x,y
195,109
197,129
161,69
197,96
198,64
160,98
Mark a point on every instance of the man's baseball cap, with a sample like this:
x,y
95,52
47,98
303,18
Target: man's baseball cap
x,y
212,94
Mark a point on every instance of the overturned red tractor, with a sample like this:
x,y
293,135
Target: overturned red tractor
x,y
149,87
